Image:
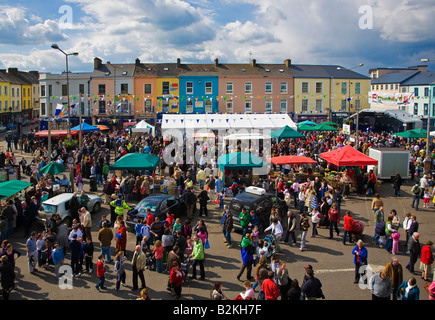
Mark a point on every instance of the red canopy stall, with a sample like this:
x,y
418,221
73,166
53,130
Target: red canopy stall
x,y
348,156
56,133
282,160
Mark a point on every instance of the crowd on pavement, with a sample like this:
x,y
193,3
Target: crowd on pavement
x,y
174,247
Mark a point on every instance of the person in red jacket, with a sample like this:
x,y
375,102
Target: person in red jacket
x,y
121,237
270,288
101,271
334,219
348,223
426,259
176,279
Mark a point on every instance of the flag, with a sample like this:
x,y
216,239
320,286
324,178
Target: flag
x,y
59,111
73,106
119,106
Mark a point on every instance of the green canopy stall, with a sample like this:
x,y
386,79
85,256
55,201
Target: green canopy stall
x,y
136,161
238,161
285,133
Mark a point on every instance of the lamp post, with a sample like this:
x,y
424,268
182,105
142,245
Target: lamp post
x,y
428,113
56,47
348,99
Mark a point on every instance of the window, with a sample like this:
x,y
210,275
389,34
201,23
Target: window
x,y
268,87
416,92
64,90
208,106
82,108
248,106
101,105
229,88
283,106
433,109
268,107
50,90
124,88
18,92
358,88
189,106
165,87
426,109
6,91
6,105
148,105
357,104
248,87
343,105
28,92
208,87
304,105
319,87
1,105
426,92
304,87
415,109
319,105
229,107
81,88
189,87
147,88
42,91
344,88
101,89
382,87
24,92
397,86
43,111
284,88
13,92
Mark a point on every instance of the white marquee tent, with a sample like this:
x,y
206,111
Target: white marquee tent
x,y
217,121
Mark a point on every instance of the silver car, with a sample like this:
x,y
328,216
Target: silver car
x,y
60,204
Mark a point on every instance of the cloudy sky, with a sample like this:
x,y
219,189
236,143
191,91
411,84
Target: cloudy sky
x,y
378,33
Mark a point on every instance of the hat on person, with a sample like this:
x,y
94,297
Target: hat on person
x,y
309,266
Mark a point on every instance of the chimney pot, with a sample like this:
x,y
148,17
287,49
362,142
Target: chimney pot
x,y
216,62
253,63
288,63
178,62
97,63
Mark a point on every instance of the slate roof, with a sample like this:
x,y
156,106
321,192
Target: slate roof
x,y
395,77
325,71
421,78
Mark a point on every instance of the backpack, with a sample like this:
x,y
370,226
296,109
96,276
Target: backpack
x,y
380,228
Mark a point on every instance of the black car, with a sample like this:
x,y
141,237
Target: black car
x,y
261,203
159,206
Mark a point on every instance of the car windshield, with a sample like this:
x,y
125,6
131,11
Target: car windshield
x,y
144,204
48,208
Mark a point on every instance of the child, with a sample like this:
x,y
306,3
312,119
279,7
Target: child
x,y
40,246
189,248
396,238
138,229
254,235
221,199
119,269
177,226
89,253
187,229
426,198
158,254
101,271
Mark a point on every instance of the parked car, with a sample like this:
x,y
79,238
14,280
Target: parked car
x,y
159,206
60,204
257,199
26,123
3,128
11,126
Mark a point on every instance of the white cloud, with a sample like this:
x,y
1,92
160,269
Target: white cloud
x,y
16,29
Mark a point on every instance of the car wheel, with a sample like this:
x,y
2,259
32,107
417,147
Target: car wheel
x,y
96,207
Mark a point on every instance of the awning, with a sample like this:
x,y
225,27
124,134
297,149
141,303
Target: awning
x,y
12,187
286,133
348,156
86,128
136,161
282,160
55,133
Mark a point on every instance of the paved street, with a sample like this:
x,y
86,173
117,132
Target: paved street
x,y
332,261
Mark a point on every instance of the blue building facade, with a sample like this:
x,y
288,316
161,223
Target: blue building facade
x,y
198,94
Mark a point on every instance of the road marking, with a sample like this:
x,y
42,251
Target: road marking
x,y
375,268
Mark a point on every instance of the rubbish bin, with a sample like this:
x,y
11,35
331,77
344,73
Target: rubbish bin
x,y
93,183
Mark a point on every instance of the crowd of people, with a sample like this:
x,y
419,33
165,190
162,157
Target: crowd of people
x,y
172,247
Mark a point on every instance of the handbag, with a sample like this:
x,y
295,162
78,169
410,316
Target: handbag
x,y
207,244
143,191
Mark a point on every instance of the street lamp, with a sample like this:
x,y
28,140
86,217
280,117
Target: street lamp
x,y
348,99
56,47
428,113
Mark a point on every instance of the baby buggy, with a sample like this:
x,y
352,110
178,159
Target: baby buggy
x,y
185,268
357,230
151,262
270,242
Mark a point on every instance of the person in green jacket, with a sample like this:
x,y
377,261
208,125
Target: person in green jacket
x,y
198,257
119,205
244,218
105,171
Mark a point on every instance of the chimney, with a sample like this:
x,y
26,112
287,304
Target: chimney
x,y
253,63
288,63
97,63
137,62
422,68
13,70
178,62
216,62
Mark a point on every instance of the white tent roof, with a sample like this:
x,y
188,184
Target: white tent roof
x,y
227,121
247,136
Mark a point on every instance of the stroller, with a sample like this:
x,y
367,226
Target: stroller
x,y
151,262
185,268
270,242
357,230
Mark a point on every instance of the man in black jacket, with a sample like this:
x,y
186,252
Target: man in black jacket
x,y
75,248
203,199
189,199
414,251
312,287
